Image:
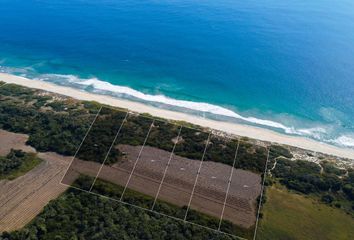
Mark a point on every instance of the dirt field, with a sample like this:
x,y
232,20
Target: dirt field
x,y
23,198
210,192
10,140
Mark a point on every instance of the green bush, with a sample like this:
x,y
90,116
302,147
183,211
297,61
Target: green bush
x,y
17,163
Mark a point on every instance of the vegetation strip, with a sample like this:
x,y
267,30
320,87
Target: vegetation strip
x,y
68,119
261,197
289,215
109,150
143,197
196,179
136,162
165,171
228,185
88,130
17,163
55,123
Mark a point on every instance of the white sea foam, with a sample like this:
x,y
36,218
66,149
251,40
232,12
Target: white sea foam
x,y
344,141
99,85
195,106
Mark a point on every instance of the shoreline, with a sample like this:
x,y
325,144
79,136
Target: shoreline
x,y
231,128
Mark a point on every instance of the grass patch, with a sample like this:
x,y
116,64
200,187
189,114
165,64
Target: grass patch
x,y
287,215
17,163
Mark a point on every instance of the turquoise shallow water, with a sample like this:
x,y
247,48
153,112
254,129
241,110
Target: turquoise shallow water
x,y
287,66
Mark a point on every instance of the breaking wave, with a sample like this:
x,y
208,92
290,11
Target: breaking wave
x,y
97,85
344,141
100,85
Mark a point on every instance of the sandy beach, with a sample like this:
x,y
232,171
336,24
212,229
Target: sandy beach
x,y
232,128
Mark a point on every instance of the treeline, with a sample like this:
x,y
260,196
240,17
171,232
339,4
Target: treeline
x,y
17,163
144,201
22,111
79,215
348,185
331,184
59,126
100,137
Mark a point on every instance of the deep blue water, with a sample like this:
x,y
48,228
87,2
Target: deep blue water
x,y
288,62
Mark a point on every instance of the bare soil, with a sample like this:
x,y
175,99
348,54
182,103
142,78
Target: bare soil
x,y
10,140
24,197
210,192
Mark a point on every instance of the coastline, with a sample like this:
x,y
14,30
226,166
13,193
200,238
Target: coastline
x,y
232,128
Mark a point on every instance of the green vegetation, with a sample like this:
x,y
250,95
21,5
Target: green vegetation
x,y
17,163
138,199
221,149
192,144
317,202
314,205
161,135
251,157
331,185
287,215
329,168
59,126
279,151
101,136
79,215
134,130
348,185
24,110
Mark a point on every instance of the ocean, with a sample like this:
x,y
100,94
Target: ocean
x,y
283,65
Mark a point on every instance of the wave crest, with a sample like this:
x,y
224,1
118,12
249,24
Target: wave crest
x,y
97,84
344,141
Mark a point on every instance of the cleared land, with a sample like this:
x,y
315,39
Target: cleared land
x,y
287,215
10,140
57,124
24,197
127,133
210,193
141,159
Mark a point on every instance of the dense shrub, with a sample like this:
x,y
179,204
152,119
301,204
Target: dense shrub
x,y
17,163
79,215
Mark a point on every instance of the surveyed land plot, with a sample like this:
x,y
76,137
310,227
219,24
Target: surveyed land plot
x,y
211,186
153,159
129,145
95,146
200,173
178,183
245,187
